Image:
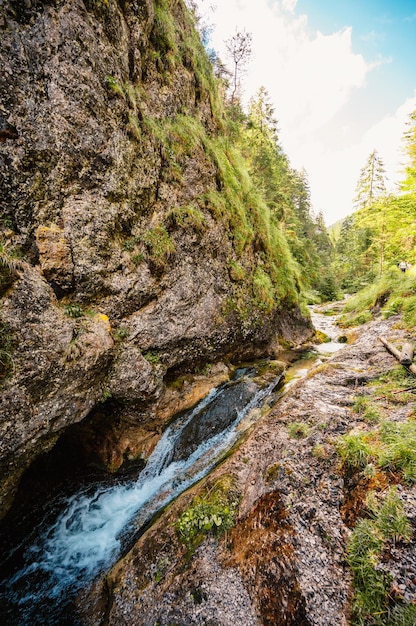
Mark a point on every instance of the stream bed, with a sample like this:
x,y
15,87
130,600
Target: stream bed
x,y
82,534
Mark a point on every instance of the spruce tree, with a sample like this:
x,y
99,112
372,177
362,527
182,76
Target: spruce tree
x,y
371,183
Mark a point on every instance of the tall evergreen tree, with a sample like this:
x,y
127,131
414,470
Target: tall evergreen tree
x,y
371,183
409,183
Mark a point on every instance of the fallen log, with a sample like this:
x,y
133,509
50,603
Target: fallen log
x,y
406,356
396,354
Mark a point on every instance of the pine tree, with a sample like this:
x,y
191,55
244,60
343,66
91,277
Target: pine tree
x,y
409,183
371,183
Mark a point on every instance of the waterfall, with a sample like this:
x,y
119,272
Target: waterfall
x,y
88,534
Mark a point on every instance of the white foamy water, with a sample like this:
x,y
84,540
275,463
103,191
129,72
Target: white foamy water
x,y
87,536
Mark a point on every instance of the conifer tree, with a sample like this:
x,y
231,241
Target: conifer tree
x,y
371,183
409,183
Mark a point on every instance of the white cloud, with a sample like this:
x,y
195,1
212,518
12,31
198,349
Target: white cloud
x,y
334,173
289,5
311,78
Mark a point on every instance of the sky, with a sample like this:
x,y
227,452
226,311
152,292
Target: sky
x,y
341,75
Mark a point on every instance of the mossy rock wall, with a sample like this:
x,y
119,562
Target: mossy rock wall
x,y
125,205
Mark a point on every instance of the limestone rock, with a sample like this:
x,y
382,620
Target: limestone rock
x,y
111,218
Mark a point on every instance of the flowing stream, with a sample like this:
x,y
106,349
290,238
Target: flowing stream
x,y
83,534
63,556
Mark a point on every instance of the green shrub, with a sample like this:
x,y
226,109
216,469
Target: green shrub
x,y
236,271
106,395
393,306
402,615
389,516
263,291
356,320
394,291
409,311
115,86
366,409
152,356
129,244
122,333
133,127
73,310
319,452
163,33
213,512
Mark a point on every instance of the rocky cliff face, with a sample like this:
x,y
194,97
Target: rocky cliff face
x,y
129,251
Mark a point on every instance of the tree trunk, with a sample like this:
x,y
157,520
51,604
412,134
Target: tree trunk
x,y
396,354
406,356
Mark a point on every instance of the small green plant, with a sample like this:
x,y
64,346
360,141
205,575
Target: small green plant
x,y
160,246
398,450
354,450
387,524
357,320
133,127
203,370
366,409
236,271
319,452
106,395
137,258
152,356
392,448
263,291
297,430
188,218
271,473
129,244
73,310
212,512
360,404
388,514
9,256
394,306
114,86
122,333
402,615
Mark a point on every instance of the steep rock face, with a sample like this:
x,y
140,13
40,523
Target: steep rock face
x,y
108,178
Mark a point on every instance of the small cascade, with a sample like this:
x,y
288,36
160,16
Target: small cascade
x,y
328,325
92,527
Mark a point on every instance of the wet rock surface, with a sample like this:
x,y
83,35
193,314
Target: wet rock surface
x,y
284,560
